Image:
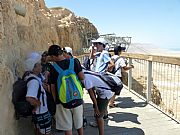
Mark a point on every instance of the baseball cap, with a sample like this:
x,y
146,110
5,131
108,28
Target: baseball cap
x,y
31,60
100,40
54,50
68,50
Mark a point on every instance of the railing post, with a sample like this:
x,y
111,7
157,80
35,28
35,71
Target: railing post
x,y
130,76
149,80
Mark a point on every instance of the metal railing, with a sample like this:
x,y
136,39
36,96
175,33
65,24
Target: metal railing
x,y
156,79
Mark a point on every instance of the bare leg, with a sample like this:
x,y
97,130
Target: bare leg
x,y
100,123
80,131
111,102
68,132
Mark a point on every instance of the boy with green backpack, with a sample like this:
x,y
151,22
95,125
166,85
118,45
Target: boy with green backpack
x,y
67,91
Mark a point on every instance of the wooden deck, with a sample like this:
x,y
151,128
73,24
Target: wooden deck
x,y
132,117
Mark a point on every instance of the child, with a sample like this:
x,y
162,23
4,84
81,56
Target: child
x,y
100,99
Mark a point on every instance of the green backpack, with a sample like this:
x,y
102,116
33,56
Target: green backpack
x,y
70,91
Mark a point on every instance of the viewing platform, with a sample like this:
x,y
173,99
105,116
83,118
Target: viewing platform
x,y
133,116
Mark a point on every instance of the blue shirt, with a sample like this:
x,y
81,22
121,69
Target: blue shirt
x,y
102,61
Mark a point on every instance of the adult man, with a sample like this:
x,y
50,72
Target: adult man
x,y
65,117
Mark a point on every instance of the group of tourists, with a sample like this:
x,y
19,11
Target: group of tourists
x,y
58,73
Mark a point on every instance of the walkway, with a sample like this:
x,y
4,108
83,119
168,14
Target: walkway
x,y
132,117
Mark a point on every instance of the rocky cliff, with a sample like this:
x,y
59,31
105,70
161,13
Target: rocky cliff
x,y
26,26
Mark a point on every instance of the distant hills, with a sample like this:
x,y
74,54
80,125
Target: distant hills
x,y
144,48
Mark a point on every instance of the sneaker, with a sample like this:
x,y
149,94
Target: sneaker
x,y
105,117
93,124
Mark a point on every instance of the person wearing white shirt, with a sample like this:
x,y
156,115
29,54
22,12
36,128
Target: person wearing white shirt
x,y
102,62
119,65
42,117
100,99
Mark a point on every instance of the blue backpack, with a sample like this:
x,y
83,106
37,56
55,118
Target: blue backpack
x,y
70,91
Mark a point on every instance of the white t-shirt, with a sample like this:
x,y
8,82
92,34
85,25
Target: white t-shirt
x,y
32,91
119,63
91,81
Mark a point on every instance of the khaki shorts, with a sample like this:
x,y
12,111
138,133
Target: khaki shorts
x,y
65,118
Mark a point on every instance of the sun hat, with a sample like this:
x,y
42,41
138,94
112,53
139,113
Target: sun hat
x,y
100,40
31,60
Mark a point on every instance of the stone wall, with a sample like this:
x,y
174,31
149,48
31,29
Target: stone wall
x,y
27,26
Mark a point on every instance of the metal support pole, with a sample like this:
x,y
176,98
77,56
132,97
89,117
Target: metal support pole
x,y
149,80
130,76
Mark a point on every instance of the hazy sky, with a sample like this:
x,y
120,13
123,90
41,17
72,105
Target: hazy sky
x,y
146,21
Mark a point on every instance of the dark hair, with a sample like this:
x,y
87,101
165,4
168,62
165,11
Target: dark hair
x,y
95,43
44,54
117,49
55,50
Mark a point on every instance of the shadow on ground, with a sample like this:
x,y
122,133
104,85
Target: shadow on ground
x,y
128,102
117,117
123,116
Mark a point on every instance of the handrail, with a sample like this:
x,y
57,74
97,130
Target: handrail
x,y
154,58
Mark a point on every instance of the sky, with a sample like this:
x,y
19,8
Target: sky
x,y
155,22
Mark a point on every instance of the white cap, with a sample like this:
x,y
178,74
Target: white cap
x,y
100,40
31,60
69,50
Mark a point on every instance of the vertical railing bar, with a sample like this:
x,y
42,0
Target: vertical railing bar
x,y
138,68
143,67
154,72
161,90
149,80
158,75
166,86
130,76
170,85
164,78
161,78
178,82
168,82
174,89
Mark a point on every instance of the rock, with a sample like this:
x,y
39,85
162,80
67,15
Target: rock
x,y
27,26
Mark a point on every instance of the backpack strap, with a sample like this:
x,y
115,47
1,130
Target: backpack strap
x,y
115,62
117,69
98,75
91,62
71,64
39,89
116,59
57,67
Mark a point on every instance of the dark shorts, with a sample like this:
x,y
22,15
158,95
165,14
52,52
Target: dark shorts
x,y
102,106
118,92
